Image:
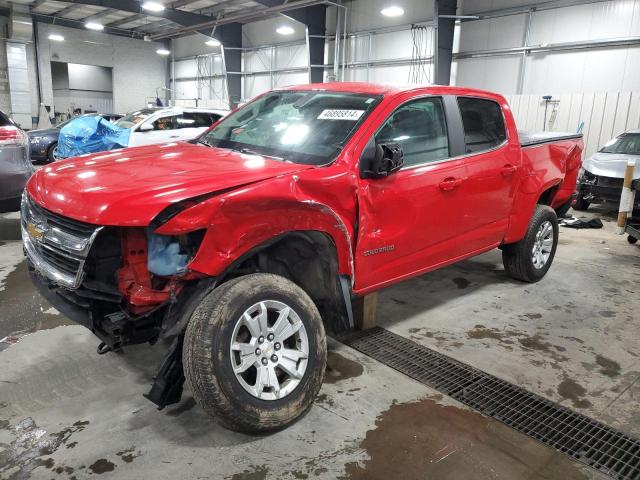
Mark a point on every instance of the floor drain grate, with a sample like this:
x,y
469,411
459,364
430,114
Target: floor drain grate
x,y
582,438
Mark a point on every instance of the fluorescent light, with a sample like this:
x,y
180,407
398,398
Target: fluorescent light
x,y
94,26
153,6
55,37
213,43
163,51
393,11
285,30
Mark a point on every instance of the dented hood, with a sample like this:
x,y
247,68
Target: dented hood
x,y
611,164
129,187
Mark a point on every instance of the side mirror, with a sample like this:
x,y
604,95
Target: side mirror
x,y
380,160
145,127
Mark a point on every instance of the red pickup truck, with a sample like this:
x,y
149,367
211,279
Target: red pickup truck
x,y
243,246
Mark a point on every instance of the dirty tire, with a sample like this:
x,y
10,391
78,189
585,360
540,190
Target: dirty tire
x,y
581,204
208,366
517,258
632,240
50,153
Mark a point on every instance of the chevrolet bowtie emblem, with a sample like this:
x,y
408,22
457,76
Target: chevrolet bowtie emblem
x,y
36,232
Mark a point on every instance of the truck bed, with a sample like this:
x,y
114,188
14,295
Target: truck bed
x,y
529,139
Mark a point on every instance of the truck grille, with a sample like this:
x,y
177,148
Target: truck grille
x,y
57,246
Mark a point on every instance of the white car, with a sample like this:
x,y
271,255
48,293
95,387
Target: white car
x,y
602,174
158,125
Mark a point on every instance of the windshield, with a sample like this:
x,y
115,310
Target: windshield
x,y
133,118
628,143
296,126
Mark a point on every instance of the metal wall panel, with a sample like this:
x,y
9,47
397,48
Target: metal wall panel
x,y
604,114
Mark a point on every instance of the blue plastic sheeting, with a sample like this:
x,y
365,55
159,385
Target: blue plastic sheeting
x,y
90,134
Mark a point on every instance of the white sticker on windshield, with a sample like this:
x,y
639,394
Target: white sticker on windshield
x,y
351,115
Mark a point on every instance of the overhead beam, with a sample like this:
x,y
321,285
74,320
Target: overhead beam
x,y
104,13
67,22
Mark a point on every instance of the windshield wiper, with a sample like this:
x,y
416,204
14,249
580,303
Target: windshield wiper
x,y
204,142
248,151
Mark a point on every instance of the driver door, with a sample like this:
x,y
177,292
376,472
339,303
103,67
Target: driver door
x,y
409,221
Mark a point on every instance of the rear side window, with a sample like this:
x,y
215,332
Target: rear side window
x,y
483,124
4,120
420,129
197,119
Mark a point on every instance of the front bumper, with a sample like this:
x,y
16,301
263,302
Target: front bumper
x,y
598,189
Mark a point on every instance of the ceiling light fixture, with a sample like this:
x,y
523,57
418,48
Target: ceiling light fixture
x,y
393,11
213,42
285,30
153,6
94,26
163,51
56,37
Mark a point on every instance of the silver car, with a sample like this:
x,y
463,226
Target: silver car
x,y
600,179
15,165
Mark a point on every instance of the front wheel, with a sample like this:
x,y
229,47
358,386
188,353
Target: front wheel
x,y
581,204
52,152
530,258
255,353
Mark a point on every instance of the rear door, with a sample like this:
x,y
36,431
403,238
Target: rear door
x,y
409,221
492,174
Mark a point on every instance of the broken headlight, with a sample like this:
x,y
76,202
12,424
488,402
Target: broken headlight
x,y
169,255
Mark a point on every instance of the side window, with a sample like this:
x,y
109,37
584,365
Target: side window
x,y
195,120
483,124
420,129
164,123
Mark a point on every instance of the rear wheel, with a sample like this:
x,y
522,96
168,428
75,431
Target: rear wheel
x,y
581,204
255,353
530,258
51,153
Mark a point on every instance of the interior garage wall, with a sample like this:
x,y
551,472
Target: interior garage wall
x,y
271,62
614,69
604,115
378,48
137,70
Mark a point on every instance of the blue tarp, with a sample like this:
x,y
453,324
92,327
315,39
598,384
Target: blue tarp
x,y
90,134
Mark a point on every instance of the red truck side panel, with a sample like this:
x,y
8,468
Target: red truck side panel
x,y
244,219
545,166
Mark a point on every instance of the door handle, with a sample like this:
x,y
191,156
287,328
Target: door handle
x,y
508,170
450,183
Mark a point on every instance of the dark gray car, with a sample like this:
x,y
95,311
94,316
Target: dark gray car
x,y
44,142
15,164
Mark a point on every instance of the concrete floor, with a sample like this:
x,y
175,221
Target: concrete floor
x,y
66,412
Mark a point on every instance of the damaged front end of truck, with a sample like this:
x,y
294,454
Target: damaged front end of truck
x,y
128,285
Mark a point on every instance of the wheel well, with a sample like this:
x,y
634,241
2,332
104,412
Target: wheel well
x,y
309,259
547,196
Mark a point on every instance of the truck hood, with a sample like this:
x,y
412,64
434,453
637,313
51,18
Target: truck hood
x,y
129,187
611,164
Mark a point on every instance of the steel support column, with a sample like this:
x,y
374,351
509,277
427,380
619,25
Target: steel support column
x,y
443,39
231,36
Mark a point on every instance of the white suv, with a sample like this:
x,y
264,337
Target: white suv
x,y
158,125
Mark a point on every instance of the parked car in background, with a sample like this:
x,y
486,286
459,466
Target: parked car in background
x,y
600,179
276,218
44,142
15,166
158,125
